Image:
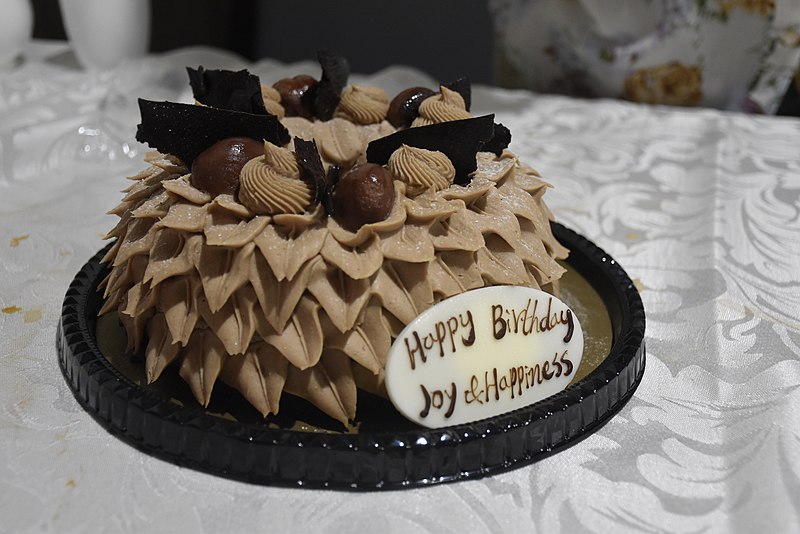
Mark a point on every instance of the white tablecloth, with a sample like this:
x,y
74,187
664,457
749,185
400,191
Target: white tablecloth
x,y
702,208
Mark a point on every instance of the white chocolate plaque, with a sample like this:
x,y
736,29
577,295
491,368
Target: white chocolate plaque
x,y
483,353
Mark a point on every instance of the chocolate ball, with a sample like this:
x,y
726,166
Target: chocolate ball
x,y
297,95
365,194
404,108
216,169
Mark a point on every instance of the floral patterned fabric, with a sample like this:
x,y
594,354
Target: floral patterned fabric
x,y
728,54
701,207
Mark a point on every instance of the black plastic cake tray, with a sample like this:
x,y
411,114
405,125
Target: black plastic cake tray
x,y
380,450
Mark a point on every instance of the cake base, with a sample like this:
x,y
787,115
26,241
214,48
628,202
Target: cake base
x,y
380,450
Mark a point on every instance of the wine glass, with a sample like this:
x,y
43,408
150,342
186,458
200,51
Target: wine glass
x,y
107,36
16,25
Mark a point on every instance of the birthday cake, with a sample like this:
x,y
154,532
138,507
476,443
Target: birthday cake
x,y
282,236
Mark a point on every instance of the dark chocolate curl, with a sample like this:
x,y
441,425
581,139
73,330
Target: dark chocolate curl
x,y
226,89
311,170
335,72
185,130
459,140
463,87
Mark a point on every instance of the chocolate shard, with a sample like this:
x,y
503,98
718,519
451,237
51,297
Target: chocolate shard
x,y
459,140
463,87
185,130
311,170
335,72
227,89
334,174
499,141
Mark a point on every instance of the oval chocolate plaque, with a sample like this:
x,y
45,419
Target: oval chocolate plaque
x,y
483,353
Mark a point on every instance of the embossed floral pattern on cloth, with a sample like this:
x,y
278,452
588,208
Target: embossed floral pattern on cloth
x,y
701,207
728,54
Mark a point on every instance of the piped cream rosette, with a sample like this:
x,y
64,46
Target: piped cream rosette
x,y
271,184
421,169
446,106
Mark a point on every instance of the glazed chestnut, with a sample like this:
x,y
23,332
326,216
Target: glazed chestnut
x,y
404,107
297,95
216,169
365,194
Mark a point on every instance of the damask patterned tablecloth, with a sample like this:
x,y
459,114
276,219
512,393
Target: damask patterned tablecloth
x,y
701,207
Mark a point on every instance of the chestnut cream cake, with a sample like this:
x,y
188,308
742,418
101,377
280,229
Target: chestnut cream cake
x,y
282,236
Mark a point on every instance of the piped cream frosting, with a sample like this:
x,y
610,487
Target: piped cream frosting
x,y
271,184
421,169
363,105
446,106
296,302
272,101
267,293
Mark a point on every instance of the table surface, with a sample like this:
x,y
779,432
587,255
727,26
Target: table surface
x,y
701,207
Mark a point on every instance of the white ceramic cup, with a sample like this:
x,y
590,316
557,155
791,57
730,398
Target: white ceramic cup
x,y
104,32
